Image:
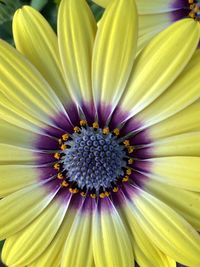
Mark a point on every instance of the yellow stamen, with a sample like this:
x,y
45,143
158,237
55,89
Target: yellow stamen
x,y
60,176
106,130
77,129
73,190
130,161
56,166
116,131
102,195
128,171
65,137
107,193
130,149
95,125
63,147
192,15
60,141
93,195
83,123
126,143
190,1
83,194
65,184
115,189
125,178
57,155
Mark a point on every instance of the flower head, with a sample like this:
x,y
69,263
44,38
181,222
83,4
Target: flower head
x,y
99,148
155,16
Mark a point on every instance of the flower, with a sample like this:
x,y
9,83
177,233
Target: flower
x,y
155,16
99,150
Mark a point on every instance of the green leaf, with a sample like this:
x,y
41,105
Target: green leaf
x,y
39,4
7,9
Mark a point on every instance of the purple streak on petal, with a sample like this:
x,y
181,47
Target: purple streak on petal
x,y
46,143
179,14
89,205
138,178
46,172
62,122
52,186
63,195
118,117
54,132
141,138
44,158
130,191
179,4
143,153
76,201
72,111
104,111
89,112
104,205
142,165
132,125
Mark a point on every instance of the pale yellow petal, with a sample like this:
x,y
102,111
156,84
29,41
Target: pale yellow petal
x,y
167,230
24,85
53,254
156,6
184,91
186,203
13,114
20,208
35,39
182,172
15,177
102,3
187,120
76,33
111,243
21,137
150,25
146,253
179,145
76,253
158,65
26,245
114,51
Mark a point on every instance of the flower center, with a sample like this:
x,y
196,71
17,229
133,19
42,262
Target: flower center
x,y
194,6
93,160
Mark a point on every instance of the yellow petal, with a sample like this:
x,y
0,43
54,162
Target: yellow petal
x,y
52,255
76,253
167,230
24,85
26,245
186,203
183,172
187,120
184,91
14,115
179,145
21,137
76,32
20,208
150,25
111,243
158,65
146,253
114,51
156,6
35,39
15,177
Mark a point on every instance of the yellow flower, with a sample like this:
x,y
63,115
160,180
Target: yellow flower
x,y
99,149
156,15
